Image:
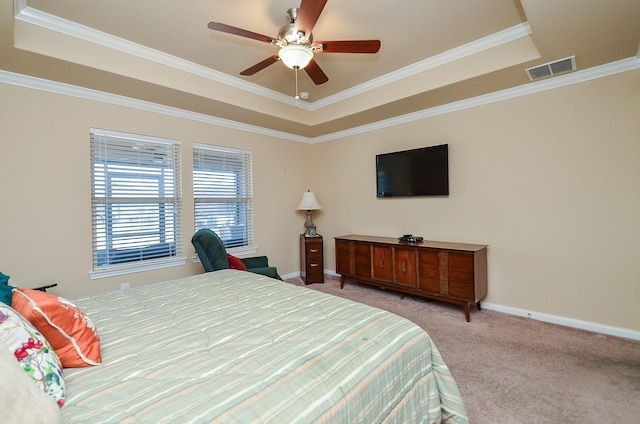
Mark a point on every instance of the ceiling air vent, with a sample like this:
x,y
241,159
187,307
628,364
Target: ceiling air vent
x,y
561,66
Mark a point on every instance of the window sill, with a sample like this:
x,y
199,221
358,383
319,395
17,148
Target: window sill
x,y
137,267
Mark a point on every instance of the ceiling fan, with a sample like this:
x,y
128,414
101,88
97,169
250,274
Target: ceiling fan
x,y
295,40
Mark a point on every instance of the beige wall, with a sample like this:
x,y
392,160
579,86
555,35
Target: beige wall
x,y
551,181
45,212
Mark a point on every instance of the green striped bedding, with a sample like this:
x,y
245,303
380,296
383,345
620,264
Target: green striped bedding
x,y
235,347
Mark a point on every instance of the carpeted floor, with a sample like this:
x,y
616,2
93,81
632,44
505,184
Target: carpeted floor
x,y
516,370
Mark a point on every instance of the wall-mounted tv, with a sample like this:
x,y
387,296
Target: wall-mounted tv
x,y
416,172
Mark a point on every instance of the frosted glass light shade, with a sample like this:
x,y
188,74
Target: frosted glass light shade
x,y
295,56
309,202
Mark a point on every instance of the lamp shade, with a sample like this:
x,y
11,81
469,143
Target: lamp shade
x,y
309,202
295,55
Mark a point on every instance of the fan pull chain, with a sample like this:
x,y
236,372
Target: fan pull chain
x,y
297,96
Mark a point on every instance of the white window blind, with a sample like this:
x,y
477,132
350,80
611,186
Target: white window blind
x,y
223,195
136,201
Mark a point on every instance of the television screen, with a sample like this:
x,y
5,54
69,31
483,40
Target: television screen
x,y
416,172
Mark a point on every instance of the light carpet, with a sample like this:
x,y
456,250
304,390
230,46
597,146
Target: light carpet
x,y
517,370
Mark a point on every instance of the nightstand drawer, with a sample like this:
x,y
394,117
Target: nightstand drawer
x,y
315,249
314,257
314,264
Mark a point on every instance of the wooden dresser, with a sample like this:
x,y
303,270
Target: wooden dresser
x,y
450,272
311,259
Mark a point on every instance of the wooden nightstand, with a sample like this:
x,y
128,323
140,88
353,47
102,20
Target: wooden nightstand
x,y
311,259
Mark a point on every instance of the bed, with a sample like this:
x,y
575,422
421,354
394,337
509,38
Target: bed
x,y
236,347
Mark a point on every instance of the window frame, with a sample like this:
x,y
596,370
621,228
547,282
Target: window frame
x,y
238,202
128,188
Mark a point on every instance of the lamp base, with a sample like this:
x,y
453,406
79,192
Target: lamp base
x,y
311,232
311,229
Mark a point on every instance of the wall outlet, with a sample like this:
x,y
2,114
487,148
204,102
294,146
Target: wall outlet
x,y
125,286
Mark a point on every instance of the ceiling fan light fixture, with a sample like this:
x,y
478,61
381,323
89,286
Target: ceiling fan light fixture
x,y
295,56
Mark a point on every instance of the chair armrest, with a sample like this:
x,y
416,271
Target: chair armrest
x,y
269,271
255,262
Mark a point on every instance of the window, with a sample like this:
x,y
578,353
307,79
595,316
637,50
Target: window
x,y
223,196
136,204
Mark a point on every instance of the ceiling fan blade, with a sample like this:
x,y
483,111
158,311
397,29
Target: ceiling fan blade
x,y
308,15
352,46
316,74
261,65
217,26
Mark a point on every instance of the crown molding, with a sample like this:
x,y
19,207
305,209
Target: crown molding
x,y
72,29
576,77
115,99
51,22
494,40
612,68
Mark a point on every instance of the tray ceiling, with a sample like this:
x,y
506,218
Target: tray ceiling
x,y
433,53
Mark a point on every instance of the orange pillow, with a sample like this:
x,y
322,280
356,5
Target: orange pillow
x,y
69,330
236,263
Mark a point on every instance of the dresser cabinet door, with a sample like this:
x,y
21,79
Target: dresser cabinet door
x,y
381,261
405,267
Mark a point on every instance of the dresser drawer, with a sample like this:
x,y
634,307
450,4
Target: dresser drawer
x,y
429,271
462,275
460,260
461,290
428,256
432,285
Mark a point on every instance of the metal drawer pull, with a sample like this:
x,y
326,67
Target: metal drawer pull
x,y
314,250
314,264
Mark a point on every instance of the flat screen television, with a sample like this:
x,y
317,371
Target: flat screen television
x,y
415,172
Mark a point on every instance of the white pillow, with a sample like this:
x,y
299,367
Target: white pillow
x,y
32,352
21,400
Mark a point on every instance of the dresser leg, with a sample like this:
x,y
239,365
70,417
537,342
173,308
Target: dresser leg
x,y
341,282
478,305
466,311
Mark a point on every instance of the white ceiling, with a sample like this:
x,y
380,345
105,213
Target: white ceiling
x,y
434,52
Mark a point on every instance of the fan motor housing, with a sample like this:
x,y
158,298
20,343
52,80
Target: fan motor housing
x,y
287,34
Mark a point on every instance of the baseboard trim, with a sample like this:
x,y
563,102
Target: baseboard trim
x,y
564,321
539,316
292,275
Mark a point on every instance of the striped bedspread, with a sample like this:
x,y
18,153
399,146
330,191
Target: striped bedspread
x,y
235,347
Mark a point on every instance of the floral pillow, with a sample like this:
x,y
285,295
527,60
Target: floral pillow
x,y
69,330
33,352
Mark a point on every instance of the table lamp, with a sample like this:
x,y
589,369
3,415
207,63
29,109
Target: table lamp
x,y
309,203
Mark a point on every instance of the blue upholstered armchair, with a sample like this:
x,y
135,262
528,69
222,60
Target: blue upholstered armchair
x,y
213,255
